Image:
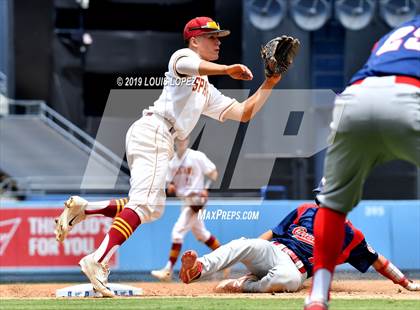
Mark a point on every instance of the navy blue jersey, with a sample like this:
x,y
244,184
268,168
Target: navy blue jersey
x,y
397,53
296,232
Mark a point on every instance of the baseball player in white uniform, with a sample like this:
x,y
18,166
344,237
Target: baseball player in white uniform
x,y
149,140
186,179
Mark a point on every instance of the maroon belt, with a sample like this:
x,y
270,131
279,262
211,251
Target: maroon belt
x,y
399,79
171,128
298,263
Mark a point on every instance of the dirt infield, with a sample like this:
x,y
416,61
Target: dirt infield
x,y
376,289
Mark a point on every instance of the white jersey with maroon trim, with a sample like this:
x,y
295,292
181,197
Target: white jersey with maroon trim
x,y
188,172
185,98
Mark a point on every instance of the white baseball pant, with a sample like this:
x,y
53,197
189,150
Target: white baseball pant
x,y
189,220
149,147
274,268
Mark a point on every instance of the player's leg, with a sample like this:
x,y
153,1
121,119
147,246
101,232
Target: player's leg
x,y
179,230
329,236
255,254
109,208
148,151
329,222
235,285
400,123
356,150
283,277
77,209
202,234
94,265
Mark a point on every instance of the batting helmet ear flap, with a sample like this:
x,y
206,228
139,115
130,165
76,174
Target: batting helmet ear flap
x,y
320,187
318,190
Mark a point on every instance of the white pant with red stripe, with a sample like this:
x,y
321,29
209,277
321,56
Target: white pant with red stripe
x,y
274,268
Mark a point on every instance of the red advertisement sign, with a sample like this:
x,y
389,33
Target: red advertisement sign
x,y
27,239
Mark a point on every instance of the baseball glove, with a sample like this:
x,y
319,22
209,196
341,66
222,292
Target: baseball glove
x,y
198,201
278,54
171,190
196,208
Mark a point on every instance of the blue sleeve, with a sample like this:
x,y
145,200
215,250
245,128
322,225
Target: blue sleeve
x,y
362,256
283,226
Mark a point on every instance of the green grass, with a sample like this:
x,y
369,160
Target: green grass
x,y
201,304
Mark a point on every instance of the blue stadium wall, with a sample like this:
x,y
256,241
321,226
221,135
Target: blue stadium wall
x,y
391,227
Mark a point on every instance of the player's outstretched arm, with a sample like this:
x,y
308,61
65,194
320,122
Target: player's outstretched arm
x,y
388,270
236,71
245,111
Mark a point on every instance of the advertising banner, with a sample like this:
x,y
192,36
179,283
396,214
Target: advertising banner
x,y
27,239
